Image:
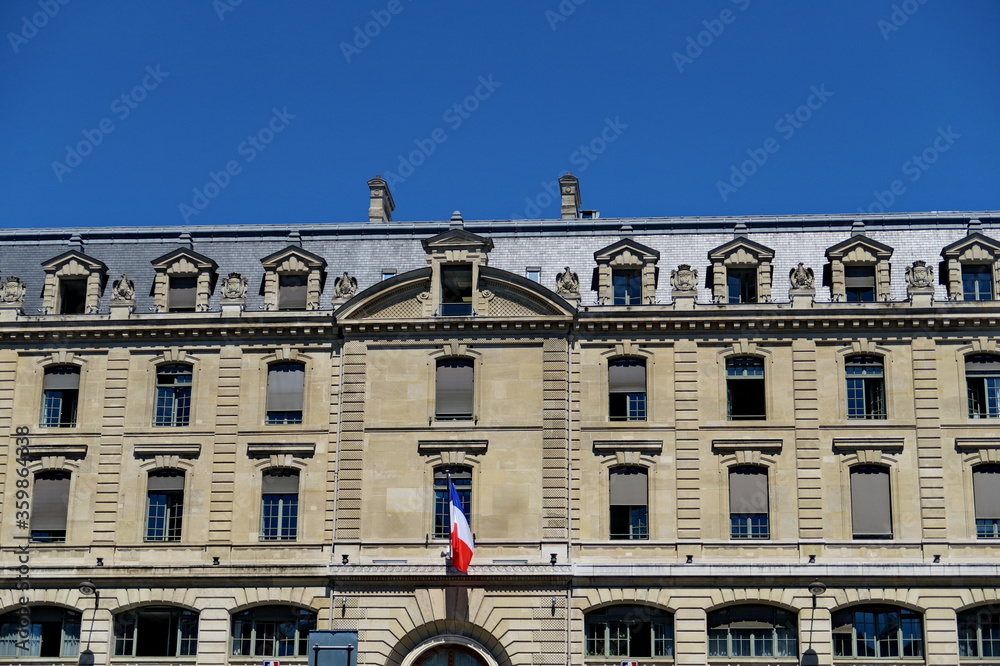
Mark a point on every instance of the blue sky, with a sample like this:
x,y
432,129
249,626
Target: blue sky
x,y
245,112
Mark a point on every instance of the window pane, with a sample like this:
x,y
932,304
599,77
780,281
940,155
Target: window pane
x,y
462,478
173,395
627,287
977,282
741,285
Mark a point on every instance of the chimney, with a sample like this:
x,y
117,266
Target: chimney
x,y
569,186
381,204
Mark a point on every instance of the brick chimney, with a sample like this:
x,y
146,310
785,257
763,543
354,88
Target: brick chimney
x,y
380,205
569,186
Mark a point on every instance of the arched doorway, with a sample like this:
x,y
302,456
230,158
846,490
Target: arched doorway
x,y
449,649
449,654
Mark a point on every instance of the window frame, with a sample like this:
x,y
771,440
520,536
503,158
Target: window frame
x,y
626,286
750,525
125,630
986,526
853,293
866,397
623,617
171,397
743,380
779,620
896,627
50,535
744,280
973,619
982,387
461,476
628,406
10,627
634,516
56,402
867,511
285,416
978,272
171,520
284,521
440,389
457,297
250,642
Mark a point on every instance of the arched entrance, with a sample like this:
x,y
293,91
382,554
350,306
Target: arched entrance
x,y
449,654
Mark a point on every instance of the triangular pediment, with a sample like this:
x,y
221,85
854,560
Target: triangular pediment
x,y
457,239
293,254
859,245
644,253
971,242
199,261
737,245
86,263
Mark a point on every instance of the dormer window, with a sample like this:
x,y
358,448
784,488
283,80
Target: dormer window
x,y
977,282
184,281
859,284
741,272
456,289
859,270
73,283
72,295
972,268
741,284
293,279
627,286
182,295
292,292
626,273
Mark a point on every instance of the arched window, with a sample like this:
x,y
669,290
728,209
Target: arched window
x,y
877,631
272,631
462,478
745,399
748,503
627,389
865,387
752,631
51,632
164,505
979,632
279,515
629,503
173,395
629,631
986,489
871,505
60,395
156,631
454,396
285,385
982,382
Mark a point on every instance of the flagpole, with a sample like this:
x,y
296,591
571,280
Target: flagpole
x,y
451,548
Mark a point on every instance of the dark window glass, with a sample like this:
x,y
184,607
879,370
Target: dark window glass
x,y
279,519
629,631
165,505
453,388
285,385
748,503
629,503
627,389
60,396
982,381
183,294
745,388
977,282
627,286
49,506
272,631
456,290
72,295
865,388
173,395
462,478
859,284
292,292
741,284
979,632
50,632
752,631
879,632
156,631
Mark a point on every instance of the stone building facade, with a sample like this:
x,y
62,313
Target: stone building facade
x,y
759,440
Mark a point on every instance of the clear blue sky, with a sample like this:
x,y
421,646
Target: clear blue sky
x,y
657,106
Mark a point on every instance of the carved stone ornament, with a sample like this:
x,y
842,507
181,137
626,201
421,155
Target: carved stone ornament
x,y
234,286
684,278
919,274
122,290
345,287
12,291
567,283
802,277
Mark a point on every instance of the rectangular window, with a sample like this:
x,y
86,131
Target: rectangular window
x,y
533,274
388,273
285,384
865,387
60,395
462,478
871,509
183,294
626,286
456,290
453,390
280,506
627,389
977,282
629,503
859,284
49,506
173,395
745,398
72,295
741,285
986,488
748,503
165,505
292,292
982,380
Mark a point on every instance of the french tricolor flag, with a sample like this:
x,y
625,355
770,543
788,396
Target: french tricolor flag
x,y
462,545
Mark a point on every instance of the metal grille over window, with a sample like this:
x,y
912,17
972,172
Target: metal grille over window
x,y
629,631
183,294
627,389
977,282
165,508
982,380
285,384
879,632
60,395
748,503
454,389
859,284
865,387
49,505
173,395
629,503
462,478
745,398
986,487
871,509
752,631
272,631
279,519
